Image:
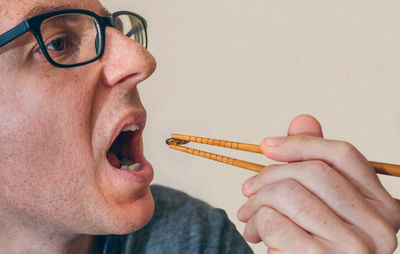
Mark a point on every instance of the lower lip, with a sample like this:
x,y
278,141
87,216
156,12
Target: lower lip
x,y
135,179
142,177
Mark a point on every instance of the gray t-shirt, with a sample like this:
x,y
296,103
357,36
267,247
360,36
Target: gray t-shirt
x,y
181,224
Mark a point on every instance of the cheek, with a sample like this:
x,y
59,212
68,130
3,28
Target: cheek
x,y
45,147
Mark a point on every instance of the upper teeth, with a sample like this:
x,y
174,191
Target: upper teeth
x,y
132,127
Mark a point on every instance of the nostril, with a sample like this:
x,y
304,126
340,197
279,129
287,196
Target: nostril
x,y
131,76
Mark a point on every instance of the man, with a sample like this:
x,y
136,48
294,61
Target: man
x,y
73,173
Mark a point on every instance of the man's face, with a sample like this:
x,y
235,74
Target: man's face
x,y
56,129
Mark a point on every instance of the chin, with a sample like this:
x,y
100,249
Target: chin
x,y
127,218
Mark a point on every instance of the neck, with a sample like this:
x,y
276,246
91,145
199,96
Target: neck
x,y
18,237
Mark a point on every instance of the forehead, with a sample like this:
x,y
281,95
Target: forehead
x,y
12,12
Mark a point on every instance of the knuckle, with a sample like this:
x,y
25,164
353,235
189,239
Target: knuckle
x,y
289,188
252,200
314,248
299,198
356,245
269,222
383,239
396,219
347,150
360,249
393,210
268,212
250,233
388,241
317,167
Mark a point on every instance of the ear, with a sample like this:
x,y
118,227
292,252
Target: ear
x,y
305,125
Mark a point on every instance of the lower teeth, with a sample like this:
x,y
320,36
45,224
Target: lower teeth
x,y
133,167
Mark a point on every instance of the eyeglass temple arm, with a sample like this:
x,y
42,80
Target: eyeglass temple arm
x,y
13,33
132,31
135,28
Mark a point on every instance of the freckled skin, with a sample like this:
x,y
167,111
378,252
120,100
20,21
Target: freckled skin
x,y
54,130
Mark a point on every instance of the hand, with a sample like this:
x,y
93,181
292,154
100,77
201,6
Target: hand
x,y
327,200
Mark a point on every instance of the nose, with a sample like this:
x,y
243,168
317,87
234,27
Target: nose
x,y
125,59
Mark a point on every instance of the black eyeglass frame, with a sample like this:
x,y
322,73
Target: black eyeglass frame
x,y
33,25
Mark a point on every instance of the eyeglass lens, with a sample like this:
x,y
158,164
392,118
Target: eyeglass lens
x,y
132,27
70,38
74,38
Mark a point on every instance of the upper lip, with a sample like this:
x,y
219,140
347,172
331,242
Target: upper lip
x,y
133,117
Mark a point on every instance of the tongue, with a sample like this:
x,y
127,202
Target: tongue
x,y
112,158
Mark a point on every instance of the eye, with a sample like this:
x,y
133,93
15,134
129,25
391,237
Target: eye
x,y
60,43
64,47
57,44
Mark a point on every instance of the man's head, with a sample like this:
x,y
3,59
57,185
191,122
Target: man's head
x,y
57,170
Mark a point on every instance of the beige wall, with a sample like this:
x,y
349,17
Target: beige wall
x,y
241,70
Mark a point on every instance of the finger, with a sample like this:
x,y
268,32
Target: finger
x,y
342,156
293,200
321,180
306,125
279,233
330,187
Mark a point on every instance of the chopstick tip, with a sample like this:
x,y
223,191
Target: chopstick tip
x,y
175,141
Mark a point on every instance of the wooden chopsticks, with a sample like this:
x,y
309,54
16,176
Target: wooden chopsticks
x,y
177,140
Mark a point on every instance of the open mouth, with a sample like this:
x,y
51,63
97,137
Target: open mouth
x,y
124,151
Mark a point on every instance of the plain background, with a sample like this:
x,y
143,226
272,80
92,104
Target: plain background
x,y
241,70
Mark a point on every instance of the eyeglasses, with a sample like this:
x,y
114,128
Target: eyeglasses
x,y
70,38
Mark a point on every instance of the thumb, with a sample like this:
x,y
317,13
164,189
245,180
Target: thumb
x,y
305,125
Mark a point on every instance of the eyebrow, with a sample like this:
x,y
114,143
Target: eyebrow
x,y
40,9
105,12
37,10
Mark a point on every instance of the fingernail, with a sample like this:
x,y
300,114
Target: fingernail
x,y
274,141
